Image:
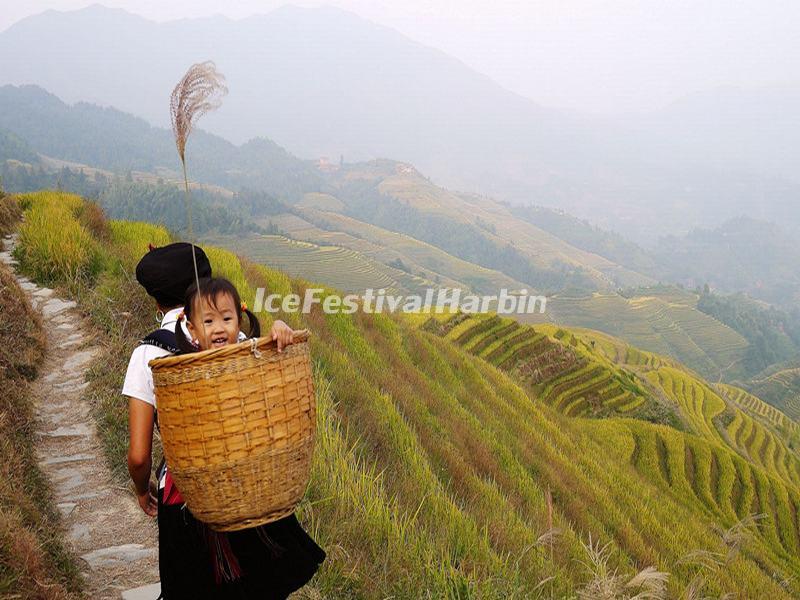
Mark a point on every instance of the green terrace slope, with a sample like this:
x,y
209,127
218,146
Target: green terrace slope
x,y
397,197
757,408
720,413
716,453
560,369
780,387
337,266
386,246
666,323
437,474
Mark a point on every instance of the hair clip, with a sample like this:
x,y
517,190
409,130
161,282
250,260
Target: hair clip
x,y
180,316
244,307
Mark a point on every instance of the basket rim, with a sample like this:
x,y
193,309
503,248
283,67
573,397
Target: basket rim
x,y
246,346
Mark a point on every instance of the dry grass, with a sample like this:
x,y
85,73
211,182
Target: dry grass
x,y
608,583
33,562
10,214
91,216
199,91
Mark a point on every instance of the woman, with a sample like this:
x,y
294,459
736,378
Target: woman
x,y
194,562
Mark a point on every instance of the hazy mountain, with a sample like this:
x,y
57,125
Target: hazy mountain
x,y
111,139
747,129
324,82
477,229
744,254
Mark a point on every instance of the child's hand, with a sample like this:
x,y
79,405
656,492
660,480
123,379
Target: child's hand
x,y
283,333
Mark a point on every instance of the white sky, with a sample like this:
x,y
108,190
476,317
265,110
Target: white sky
x,y
604,56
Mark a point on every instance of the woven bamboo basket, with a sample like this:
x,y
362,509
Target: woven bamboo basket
x,y
237,426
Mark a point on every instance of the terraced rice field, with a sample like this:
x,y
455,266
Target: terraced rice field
x,y
758,408
712,419
738,471
342,268
385,246
698,403
781,389
560,371
725,484
658,325
437,475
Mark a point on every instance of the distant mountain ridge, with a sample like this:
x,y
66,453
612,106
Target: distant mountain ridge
x,y
109,139
325,82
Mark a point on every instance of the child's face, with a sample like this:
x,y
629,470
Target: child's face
x,y
214,325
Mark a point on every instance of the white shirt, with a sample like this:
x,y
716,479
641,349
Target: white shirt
x,y
139,377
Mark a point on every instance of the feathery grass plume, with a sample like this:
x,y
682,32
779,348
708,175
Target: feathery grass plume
x,y
736,536
199,91
608,583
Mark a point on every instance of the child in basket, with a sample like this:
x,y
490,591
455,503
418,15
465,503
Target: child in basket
x,y
269,561
213,316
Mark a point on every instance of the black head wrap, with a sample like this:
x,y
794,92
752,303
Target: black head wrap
x,y
166,272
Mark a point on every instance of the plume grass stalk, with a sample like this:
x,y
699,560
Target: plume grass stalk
x,y
199,91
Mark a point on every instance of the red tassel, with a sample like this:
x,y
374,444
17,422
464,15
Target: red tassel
x,y
226,566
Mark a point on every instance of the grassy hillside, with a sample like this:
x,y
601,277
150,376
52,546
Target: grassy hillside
x,y
560,368
733,463
786,427
475,229
388,245
33,562
437,474
337,266
397,197
576,374
664,321
780,386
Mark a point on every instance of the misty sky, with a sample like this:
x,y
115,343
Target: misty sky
x,y
606,56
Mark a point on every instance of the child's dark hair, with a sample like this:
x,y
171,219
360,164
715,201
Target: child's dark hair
x,y
210,289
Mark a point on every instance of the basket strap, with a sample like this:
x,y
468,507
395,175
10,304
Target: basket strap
x,y
162,338
166,340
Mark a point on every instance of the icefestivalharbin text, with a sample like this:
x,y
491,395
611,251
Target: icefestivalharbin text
x,y
436,300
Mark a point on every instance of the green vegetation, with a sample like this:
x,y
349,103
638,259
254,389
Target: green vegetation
x,y
343,268
90,135
148,197
773,334
583,235
663,321
733,463
387,246
741,255
33,562
780,387
439,475
12,147
558,367
366,201
756,407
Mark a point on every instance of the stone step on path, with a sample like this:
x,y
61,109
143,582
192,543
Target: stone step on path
x,y
146,592
115,541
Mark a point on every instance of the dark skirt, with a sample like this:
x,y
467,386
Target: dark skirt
x,y
271,570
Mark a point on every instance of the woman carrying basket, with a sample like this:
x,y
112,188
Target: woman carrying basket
x,y
195,562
